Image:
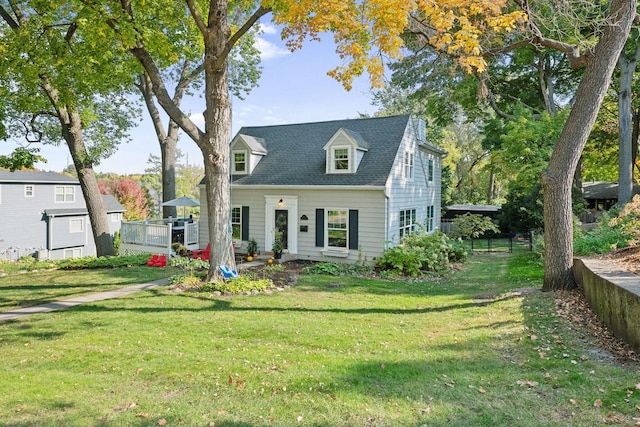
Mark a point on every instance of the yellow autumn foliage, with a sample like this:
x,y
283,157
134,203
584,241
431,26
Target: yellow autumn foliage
x,y
367,30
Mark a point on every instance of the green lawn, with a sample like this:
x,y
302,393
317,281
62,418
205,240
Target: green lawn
x,y
26,289
479,347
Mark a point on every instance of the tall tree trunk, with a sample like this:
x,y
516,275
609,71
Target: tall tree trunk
x,y
217,135
625,155
71,125
492,186
168,140
557,178
634,140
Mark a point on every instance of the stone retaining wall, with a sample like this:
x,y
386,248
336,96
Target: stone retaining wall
x,y
614,295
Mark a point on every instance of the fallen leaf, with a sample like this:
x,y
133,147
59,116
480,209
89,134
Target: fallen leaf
x,y
597,403
300,418
527,383
426,410
144,415
162,422
481,390
573,401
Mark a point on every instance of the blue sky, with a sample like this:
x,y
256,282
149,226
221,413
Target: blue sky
x,y
294,88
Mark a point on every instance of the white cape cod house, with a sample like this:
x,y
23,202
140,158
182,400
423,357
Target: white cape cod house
x,y
44,214
338,190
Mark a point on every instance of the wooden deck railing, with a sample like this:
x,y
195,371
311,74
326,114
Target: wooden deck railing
x,y
156,236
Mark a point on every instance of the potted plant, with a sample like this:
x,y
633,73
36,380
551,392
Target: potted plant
x,y
277,249
252,247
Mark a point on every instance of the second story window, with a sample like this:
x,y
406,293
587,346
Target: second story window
x,y
29,191
408,165
341,159
240,162
430,172
65,194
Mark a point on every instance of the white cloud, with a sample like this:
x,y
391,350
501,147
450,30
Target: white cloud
x,y
269,50
198,119
268,28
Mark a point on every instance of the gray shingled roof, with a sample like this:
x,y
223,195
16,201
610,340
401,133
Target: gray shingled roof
x,y
112,206
602,190
295,155
35,176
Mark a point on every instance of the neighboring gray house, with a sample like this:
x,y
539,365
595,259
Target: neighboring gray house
x,y
338,190
44,213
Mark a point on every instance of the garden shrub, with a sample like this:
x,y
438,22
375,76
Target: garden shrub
x,y
102,262
339,269
419,252
472,226
615,230
240,285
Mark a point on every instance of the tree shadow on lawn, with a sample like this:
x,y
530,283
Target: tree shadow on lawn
x,y
124,304
39,291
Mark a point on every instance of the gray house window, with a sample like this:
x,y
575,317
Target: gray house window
x,y
407,221
408,165
430,170
430,216
240,162
29,191
341,159
65,194
73,253
337,228
76,225
236,223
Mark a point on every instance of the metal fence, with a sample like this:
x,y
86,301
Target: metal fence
x,y
501,243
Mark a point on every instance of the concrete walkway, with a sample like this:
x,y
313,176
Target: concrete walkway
x,y
116,293
61,305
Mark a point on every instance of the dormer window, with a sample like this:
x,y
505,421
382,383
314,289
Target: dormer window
x,y
246,153
341,159
345,151
239,162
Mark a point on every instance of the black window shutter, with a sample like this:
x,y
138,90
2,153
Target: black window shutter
x,y
320,228
353,229
245,223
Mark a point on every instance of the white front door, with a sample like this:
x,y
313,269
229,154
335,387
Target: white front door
x,y
281,219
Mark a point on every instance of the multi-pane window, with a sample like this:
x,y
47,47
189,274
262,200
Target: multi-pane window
x,y
76,225
337,228
240,161
408,165
65,194
407,221
73,253
116,217
236,223
341,159
430,170
430,217
29,191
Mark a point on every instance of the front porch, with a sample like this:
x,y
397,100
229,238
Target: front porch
x,y
157,236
